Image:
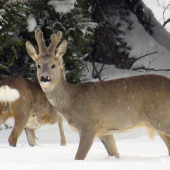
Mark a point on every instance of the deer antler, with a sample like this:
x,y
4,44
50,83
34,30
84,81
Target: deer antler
x,y
40,41
55,39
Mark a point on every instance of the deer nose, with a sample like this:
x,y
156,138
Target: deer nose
x,y
45,79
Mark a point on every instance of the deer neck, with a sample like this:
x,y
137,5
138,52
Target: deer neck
x,y
59,95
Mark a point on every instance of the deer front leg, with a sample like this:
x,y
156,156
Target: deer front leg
x,y
110,145
30,133
86,141
63,140
19,126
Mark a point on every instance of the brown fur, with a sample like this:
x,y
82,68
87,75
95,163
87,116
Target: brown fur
x,y
98,109
31,110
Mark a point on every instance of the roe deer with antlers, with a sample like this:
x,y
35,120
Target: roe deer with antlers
x,y
98,109
25,101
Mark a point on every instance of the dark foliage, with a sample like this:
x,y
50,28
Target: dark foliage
x,y
110,47
77,29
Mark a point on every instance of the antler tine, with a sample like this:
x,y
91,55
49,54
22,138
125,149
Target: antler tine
x,y
55,39
40,40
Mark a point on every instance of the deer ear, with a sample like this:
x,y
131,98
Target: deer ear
x,y
61,49
31,51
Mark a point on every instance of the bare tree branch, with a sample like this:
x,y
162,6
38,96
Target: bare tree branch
x,y
145,56
150,69
86,66
168,20
150,62
101,69
94,68
164,12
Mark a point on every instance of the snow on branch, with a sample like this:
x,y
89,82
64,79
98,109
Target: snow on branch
x,y
62,6
3,67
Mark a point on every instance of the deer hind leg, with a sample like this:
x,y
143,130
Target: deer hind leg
x,y
166,140
63,139
86,141
110,145
4,112
19,126
30,133
160,122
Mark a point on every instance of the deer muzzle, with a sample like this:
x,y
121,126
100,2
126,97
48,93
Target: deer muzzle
x,y
45,79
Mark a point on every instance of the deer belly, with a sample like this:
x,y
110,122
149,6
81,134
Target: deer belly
x,y
73,128
33,123
107,131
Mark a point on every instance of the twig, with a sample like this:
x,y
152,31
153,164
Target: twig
x,y
164,12
86,66
150,69
106,68
145,56
101,11
150,62
141,53
101,69
168,20
94,67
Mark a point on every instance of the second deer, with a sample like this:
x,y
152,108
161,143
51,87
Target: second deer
x,y
25,101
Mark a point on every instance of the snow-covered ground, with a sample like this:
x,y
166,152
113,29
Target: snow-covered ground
x,y
137,151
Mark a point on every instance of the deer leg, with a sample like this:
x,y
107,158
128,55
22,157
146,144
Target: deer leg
x,y
162,128
86,141
110,145
166,140
30,133
63,140
19,126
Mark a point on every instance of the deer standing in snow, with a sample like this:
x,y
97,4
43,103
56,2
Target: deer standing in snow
x,y
25,101
98,109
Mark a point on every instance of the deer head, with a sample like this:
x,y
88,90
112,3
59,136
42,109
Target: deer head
x,y
48,59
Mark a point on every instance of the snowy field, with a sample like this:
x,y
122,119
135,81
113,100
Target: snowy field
x,y
137,151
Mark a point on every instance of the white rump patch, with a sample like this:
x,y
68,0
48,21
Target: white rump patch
x,y
7,94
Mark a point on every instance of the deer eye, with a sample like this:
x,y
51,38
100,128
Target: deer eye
x,y
38,66
53,66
